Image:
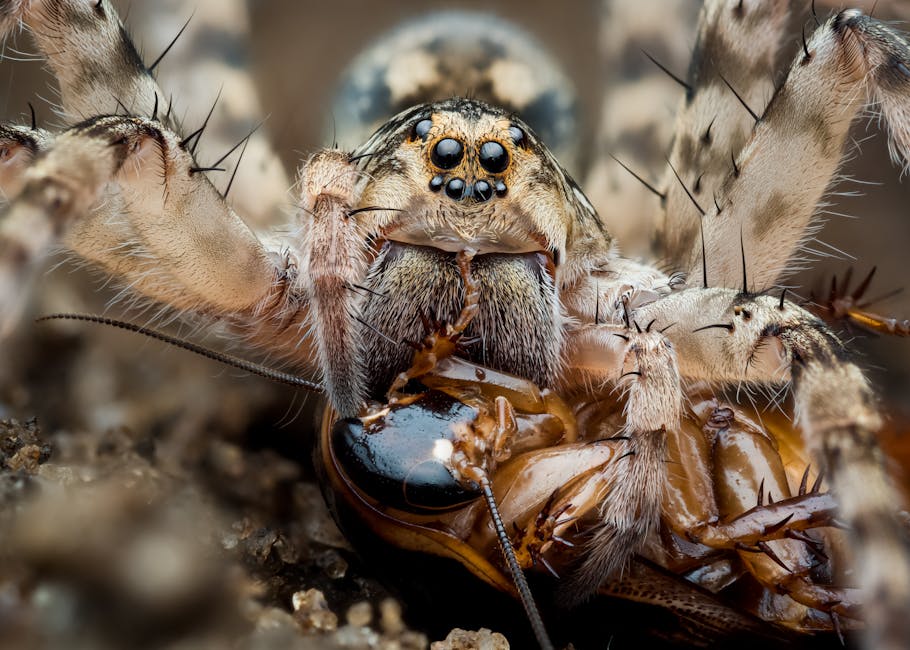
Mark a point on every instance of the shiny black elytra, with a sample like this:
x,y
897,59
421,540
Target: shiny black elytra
x,y
391,459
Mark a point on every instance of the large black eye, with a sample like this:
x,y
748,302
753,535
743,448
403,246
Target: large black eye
x,y
447,153
493,157
422,128
518,136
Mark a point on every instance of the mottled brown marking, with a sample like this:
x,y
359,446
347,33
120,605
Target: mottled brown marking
x,y
766,217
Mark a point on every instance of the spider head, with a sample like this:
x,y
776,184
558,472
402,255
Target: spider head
x,y
463,174
444,177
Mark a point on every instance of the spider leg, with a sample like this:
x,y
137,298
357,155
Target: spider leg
x,y
127,193
100,72
627,134
19,145
764,207
334,256
730,78
631,505
89,51
748,339
196,55
178,217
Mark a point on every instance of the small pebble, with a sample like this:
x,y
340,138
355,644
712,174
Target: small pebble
x,y
482,639
360,614
390,617
311,611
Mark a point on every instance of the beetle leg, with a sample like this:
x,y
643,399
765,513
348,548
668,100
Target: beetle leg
x,y
442,343
747,466
849,307
535,539
696,514
747,338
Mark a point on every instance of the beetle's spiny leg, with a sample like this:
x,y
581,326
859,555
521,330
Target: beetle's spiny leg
x,y
764,342
849,61
769,522
731,76
850,307
443,343
542,534
747,462
471,301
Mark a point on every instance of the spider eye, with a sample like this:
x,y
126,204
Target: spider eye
x,y
422,128
518,136
455,189
483,191
447,153
493,157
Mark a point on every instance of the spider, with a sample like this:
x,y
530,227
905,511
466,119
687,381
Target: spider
x,y
378,229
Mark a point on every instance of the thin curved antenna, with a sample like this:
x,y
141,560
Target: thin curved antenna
x,y
220,357
518,576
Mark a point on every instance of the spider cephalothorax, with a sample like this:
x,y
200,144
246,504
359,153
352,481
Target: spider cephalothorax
x,y
459,174
584,389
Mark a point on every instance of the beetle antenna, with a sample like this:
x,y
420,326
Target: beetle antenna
x,y
220,357
518,576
